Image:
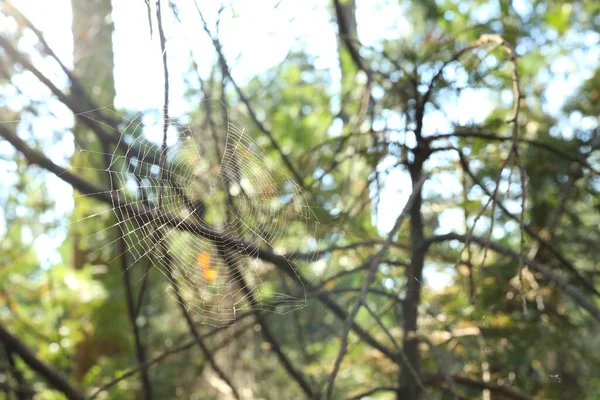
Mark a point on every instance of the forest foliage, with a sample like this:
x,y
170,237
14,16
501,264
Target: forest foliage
x,y
427,252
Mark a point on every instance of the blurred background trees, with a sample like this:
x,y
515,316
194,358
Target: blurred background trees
x,y
484,113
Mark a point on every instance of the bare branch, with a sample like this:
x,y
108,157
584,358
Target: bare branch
x,y
510,392
192,327
348,39
545,270
143,214
140,351
52,376
530,231
368,281
226,71
532,142
171,352
163,149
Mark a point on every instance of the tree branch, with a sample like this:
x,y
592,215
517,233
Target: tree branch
x,y
545,270
143,215
52,376
140,351
226,71
371,273
192,327
513,393
547,244
347,38
536,143
170,352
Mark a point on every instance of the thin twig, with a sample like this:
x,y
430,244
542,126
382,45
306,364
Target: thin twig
x,y
163,150
440,365
224,249
494,201
75,83
505,391
191,325
512,55
131,312
531,231
371,392
140,350
532,142
365,287
249,108
149,16
571,290
168,353
76,103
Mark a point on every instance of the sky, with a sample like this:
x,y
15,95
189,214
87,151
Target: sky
x,y
257,37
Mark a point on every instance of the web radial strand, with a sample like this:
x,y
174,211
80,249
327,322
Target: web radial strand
x,y
235,191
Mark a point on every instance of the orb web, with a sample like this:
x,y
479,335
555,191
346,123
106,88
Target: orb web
x,y
201,219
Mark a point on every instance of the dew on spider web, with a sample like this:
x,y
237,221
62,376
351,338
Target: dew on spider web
x,y
203,193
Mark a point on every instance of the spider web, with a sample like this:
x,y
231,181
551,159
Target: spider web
x,y
201,219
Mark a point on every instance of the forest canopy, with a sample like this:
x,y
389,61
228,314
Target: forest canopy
x,y
269,199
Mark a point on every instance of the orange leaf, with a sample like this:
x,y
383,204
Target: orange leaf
x,y
203,260
210,274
